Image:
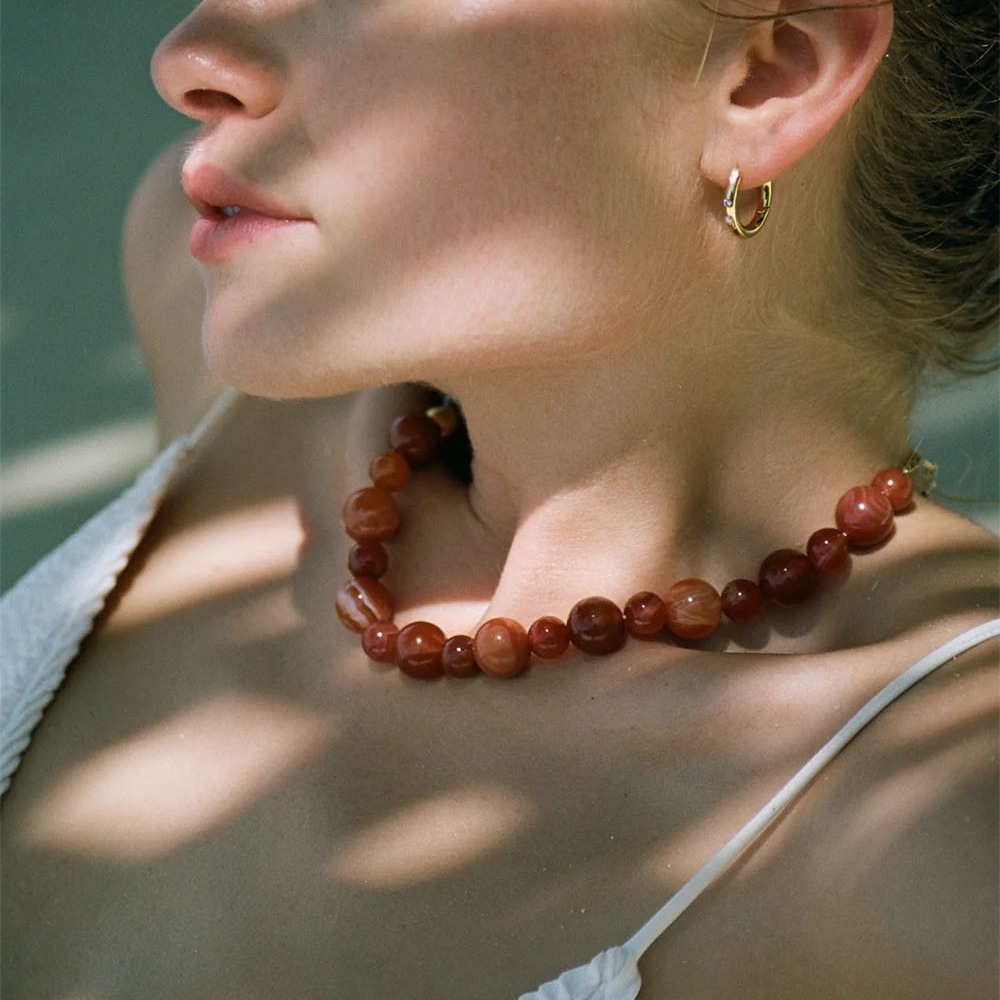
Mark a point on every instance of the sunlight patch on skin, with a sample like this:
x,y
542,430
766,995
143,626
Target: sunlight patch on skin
x,y
174,783
244,549
431,839
964,704
678,857
882,815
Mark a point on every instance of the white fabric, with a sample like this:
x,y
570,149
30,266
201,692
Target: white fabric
x,y
48,613
46,616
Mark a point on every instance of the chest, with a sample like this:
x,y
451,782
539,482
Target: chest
x,y
230,800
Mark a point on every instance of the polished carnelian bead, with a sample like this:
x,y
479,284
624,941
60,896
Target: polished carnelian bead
x,y
501,647
864,514
416,437
548,637
828,551
389,471
597,626
897,487
362,601
368,559
418,650
379,642
787,577
741,600
457,657
370,515
645,614
694,609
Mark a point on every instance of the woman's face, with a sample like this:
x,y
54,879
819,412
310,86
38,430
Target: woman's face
x,y
425,187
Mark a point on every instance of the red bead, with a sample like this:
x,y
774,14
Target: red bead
x,y
362,601
418,650
416,437
645,614
368,559
787,577
501,647
457,657
828,551
379,642
370,515
596,626
897,487
694,609
864,514
742,600
389,471
548,637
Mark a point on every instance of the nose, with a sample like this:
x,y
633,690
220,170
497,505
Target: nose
x,y
213,65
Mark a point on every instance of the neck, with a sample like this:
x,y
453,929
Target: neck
x,y
605,477
629,472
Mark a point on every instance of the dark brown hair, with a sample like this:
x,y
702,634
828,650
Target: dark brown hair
x,y
920,197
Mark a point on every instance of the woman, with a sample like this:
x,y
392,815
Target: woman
x,y
535,208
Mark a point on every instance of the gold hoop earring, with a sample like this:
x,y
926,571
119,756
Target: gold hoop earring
x,y
755,225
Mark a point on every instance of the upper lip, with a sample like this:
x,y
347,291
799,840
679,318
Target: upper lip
x,y
211,189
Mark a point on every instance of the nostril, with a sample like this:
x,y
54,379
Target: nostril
x,y
204,100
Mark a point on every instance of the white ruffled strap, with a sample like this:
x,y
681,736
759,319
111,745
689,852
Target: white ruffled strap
x,y
48,613
612,975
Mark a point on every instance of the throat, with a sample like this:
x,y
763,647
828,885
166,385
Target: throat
x,y
613,534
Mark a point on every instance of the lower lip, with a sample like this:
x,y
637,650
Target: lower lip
x,y
216,236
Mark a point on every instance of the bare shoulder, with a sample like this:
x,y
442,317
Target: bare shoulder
x,y
165,294
908,825
905,830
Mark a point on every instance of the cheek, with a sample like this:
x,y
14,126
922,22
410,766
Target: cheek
x,y
480,202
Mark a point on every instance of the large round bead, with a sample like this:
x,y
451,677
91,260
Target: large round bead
x,y
694,609
416,437
597,626
787,577
645,614
379,642
362,601
548,637
370,515
418,650
742,600
897,486
864,514
458,658
828,551
501,647
389,471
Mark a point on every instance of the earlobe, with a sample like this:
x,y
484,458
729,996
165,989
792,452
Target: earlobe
x,y
799,75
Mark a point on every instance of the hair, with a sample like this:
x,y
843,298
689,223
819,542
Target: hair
x,y
921,188
922,197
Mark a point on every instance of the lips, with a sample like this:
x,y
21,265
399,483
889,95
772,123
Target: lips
x,y
234,213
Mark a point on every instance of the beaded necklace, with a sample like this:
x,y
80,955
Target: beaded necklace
x,y
691,608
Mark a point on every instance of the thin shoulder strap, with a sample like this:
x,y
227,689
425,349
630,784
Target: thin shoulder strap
x,y
717,865
48,613
614,974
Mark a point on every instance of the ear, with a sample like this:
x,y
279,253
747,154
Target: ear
x,y
794,77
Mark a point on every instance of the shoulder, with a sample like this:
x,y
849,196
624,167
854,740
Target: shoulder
x,y
902,838
165,295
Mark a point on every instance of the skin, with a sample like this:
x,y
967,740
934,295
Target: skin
x,y
241,805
